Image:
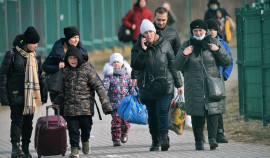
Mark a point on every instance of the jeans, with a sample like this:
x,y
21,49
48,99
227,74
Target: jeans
x,y
158,114
74,124
21,125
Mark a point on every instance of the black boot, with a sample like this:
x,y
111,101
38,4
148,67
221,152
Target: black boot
x,y
213,143
220,136
25,149
199,145
164,142
155,143
16,151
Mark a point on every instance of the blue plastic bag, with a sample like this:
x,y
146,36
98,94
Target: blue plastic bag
x,y
132,110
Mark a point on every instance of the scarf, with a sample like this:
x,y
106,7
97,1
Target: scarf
x,y
120,71
200,44
32,96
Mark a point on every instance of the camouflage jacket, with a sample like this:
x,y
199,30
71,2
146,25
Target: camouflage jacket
x,y
78,91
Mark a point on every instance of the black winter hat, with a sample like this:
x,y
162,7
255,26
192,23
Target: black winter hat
x,y
211,23
31,35
70,32
198,24
213,2
18,40
74,51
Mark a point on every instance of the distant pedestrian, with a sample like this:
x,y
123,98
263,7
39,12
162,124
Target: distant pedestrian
x,y
135,16
213,5
78,96
23,88
117,82
171,16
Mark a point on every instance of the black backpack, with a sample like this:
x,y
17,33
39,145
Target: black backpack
x,y
125,33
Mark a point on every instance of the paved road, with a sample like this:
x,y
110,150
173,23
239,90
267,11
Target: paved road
x,y
140,140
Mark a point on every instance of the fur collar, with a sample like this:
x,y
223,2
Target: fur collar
x,y
108,68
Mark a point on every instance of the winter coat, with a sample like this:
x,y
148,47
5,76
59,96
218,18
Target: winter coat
x,y
12,76
78,91
171,35
196,91
117,86
226,71
211,14
57,55
154,62
136,18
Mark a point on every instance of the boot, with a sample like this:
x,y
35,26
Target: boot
x,y
25,149
165,142
220,136
86,147
124,138
213,143
116,142
16,151
199,145
155,143
74,152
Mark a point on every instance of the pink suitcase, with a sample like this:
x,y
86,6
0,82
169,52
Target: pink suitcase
x,y
51,134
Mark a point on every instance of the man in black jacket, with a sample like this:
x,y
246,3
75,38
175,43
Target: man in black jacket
x,y
168,33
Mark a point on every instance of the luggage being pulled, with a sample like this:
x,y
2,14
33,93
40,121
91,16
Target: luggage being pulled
x,y
51,134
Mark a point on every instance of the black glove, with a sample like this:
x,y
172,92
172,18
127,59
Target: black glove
x,y
108,112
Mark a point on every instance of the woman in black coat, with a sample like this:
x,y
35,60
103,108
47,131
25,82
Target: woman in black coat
x,y
201,48
153,57
23,88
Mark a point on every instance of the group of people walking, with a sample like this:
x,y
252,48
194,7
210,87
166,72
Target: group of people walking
x,y
157,58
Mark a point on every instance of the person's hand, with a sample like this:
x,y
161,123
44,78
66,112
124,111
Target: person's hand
x,y
180,91
143,41
213,47
61,65
134,82
188,50
133,26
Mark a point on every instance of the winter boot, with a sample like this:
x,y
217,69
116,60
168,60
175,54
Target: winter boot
x,y
116,142
86,147
220,136
213,143
25,149
16,151
164,142
124,138
199,145
74,152
155,143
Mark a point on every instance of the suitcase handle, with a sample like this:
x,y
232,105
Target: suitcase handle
x,y
47,113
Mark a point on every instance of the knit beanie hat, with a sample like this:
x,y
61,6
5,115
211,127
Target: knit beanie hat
x,y
198,24
212,24
70,32
30,35
116,57
74,51
147,26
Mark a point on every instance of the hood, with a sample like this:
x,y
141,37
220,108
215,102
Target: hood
x,y
108,68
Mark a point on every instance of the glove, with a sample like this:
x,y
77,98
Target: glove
x,y
108,112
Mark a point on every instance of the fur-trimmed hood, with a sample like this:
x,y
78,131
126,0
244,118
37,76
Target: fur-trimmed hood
x,y
108,68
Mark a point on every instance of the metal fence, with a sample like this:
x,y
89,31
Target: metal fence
x,y
97,20
253,53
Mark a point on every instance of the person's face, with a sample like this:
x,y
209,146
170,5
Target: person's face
x,y
73,61
32,47
198,32
214,6
74,40
150,36
161,20
142,3
116,65
219,14
213,33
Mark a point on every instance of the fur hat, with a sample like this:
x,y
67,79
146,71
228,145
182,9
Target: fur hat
x,y
147,26
116,57
108,68
198,24
30,35
74,51
212,24
70,32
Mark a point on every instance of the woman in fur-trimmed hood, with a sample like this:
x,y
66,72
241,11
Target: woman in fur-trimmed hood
x,y
117,82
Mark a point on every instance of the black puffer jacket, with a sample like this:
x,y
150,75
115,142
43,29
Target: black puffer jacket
x,y
196,93
157,60
12,74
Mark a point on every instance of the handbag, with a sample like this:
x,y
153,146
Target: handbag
x,y
132,110
216,86
177,115
125,33
54,81
159,86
